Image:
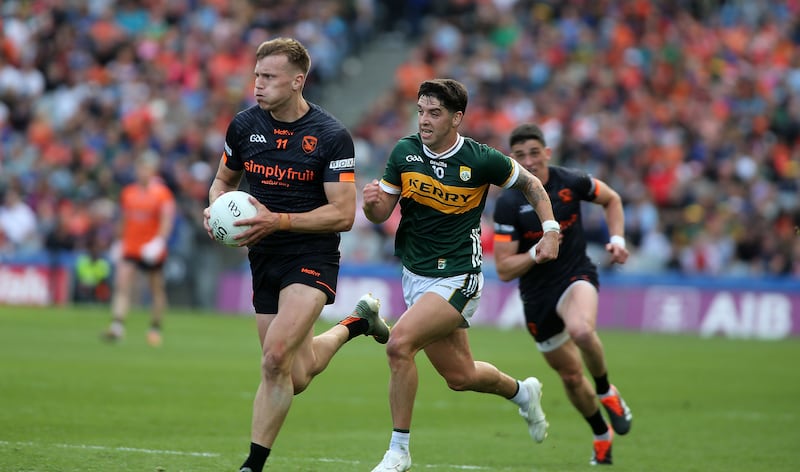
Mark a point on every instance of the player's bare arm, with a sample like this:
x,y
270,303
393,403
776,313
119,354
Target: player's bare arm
x,y
337,215
167,220
508,263
226,180
532,188
615,220
378,205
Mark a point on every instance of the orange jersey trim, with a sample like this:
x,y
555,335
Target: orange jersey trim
x,y
347,177
502,238
330,289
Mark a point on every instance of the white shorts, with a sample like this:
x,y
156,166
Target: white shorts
x,y
462,292
554,342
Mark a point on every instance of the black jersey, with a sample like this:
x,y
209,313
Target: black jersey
x,y
515,218
286,165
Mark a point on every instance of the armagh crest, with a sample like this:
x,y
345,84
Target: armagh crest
x,y
309,144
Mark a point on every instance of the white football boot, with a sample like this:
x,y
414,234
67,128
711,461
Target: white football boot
x,y
394,461
533,413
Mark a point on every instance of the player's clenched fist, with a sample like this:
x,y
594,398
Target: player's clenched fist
x,y
372,193
378,204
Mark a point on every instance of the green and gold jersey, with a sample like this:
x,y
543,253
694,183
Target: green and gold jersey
x,y
442,197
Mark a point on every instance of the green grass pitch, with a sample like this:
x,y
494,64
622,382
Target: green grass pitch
x,y
69,402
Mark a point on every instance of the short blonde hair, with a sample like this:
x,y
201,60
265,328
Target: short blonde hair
x,y
295,52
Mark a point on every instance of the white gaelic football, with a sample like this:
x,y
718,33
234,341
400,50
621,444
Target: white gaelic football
x,y
228,208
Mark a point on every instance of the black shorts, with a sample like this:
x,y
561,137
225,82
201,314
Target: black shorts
x,y
145,266
272,272
541,317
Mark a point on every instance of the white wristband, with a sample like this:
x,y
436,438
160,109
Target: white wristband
x,y
550,225
618,240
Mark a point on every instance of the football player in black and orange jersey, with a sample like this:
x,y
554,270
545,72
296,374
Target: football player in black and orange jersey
x,y
299,163
147,210
560,297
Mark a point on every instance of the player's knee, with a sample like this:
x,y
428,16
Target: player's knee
x,y
572,378
581,333
274,362
398,350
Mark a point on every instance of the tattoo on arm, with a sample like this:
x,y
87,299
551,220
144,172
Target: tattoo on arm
x,y
531,187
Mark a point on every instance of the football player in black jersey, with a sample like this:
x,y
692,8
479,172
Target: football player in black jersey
x,y
560,297
299,163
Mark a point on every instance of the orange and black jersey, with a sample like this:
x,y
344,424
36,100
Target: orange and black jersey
x,y
141,207
516,220
286,165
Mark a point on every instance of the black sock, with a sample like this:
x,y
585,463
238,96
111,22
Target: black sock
x,y
601,384
519,386
258,456
356,326
597,423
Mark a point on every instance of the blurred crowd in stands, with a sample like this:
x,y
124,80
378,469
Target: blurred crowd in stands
x,y
690,109
86,85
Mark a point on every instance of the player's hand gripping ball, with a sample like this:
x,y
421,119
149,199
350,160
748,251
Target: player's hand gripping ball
x,y
227,209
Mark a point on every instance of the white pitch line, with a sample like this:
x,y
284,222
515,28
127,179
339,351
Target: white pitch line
x,y
118,449
427,466
212,454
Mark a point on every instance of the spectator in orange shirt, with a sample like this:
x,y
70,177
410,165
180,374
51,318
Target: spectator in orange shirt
x,y
147,208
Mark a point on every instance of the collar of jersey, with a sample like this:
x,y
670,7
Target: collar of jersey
x,y
453,149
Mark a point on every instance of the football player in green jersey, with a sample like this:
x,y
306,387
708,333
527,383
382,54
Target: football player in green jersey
x,y
441,180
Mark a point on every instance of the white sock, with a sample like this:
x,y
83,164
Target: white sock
x,y
609,393
603,437
399,441
117,328
522,397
